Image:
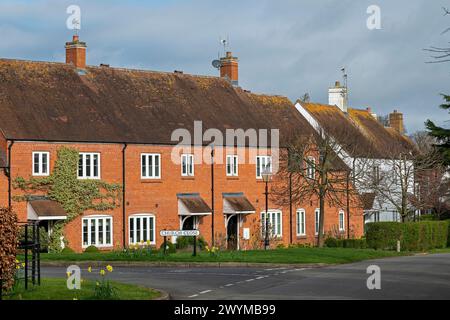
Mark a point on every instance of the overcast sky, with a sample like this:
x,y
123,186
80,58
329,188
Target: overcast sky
x,y
285,47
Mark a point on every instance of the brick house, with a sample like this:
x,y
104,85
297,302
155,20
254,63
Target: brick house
x,y
121,121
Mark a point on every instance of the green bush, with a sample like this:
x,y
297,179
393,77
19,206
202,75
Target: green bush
x,y
331,242
184,242
413,236
91,249
67,250
169,249
448,236
354,243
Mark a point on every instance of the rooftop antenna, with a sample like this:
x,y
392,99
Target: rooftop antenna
x,y
76,26
345,91
225,43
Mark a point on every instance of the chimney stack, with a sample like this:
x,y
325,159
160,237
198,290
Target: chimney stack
x,y
76,53
338,96
396,121
229,68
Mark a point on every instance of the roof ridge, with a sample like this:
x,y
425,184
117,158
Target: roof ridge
x,y
112,68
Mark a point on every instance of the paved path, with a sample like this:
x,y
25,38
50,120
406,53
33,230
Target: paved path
x,y
415,277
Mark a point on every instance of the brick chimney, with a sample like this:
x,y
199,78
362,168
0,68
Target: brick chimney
x,y
76,53
396,121
230,68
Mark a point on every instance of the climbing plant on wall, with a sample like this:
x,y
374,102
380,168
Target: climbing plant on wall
x,y
75,195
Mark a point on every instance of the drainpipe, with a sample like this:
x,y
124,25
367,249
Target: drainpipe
x,y
9,173
290,208
212,196
124,219
348,204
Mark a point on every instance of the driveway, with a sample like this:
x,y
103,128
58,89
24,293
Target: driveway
x,y
413,277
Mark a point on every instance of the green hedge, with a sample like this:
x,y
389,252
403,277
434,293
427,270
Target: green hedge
x,y
413,236
346,243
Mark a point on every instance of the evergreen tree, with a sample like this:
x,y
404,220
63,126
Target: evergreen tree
x,y
442,135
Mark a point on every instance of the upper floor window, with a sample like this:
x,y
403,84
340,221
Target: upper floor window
x,y
232,165
311,168
341,220
187,165
89,166
376,174
150,166
263,163
97,231
301,225
41,163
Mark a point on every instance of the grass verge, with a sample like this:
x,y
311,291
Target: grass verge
x,y
56,289
279,256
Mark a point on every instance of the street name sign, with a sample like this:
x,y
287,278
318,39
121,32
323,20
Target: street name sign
x,y
179,233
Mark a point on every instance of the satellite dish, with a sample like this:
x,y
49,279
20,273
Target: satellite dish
x,y
216,64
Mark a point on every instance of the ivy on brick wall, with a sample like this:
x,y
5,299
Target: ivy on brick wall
x,y
75,195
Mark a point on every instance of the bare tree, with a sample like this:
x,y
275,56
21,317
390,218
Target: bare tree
x,y
440,54
315,170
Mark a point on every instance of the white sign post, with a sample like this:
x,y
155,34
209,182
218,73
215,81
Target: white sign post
x,y
180,233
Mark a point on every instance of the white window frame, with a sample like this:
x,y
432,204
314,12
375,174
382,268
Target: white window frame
x,y
153,175
301,221
311,168
150,233
232,163
341,214
261,163
316,221
277,214
89,220
190,164
40,172
83,161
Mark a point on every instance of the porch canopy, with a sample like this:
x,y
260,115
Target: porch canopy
x,y
191,204
237,203
45,210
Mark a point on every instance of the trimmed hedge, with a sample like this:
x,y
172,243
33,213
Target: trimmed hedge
x,y
413,236
346,243
8,246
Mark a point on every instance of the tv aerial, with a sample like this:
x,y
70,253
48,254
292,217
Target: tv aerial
x,y
216,64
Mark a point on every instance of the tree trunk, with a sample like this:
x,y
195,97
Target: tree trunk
x,y
320,235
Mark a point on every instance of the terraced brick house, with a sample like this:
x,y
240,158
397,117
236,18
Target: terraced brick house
x,y
123,124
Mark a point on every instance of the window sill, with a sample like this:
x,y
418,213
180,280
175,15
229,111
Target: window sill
x,y
187,178
232,178
302,237
151,181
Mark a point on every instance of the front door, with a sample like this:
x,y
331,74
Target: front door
x,y
232,234
188,224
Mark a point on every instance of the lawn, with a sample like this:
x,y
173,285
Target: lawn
x,y
56,289
278,256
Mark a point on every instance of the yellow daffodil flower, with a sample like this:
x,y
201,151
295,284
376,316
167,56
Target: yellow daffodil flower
x,y
109,268
90,269
102,272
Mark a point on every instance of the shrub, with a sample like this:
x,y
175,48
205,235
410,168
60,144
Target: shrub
x,y
8,247
44,239
170,248
413,236
67,250
354,243
91,249
331,242
184,242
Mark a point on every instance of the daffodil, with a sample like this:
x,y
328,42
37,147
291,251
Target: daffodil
x,y
90,269
23,264
97,283
109,268
17,261
148,242
68,274
102,272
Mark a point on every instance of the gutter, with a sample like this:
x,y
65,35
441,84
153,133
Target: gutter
x,y
123,194
9,172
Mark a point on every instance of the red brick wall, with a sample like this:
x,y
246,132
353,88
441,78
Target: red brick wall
x,y
159,197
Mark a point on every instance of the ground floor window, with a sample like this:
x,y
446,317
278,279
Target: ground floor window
x,y
317,221
301,228
97,231
341,220
142,229
275,223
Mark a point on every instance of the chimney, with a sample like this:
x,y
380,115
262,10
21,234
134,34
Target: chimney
x,y
229,68
338,96
76,53
370,111
396,121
